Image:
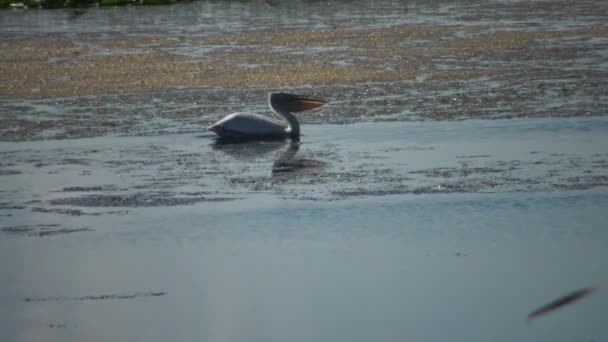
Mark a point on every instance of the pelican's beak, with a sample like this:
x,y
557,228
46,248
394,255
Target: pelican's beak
x,y
302,103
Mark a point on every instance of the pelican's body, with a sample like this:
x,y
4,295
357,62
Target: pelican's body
x,y
238,125
254,126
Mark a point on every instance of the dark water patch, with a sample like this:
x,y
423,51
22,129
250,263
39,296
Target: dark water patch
x,y
74,161
436,172
255,183
76,212
408,148
477,185
63,231
462,186
14,129
134,162
295,165
375,192
9,172
135,200
70,212
197,193
583,182
169,182
474,156
11,206
98,297
449,172
43,230
88,188
24,229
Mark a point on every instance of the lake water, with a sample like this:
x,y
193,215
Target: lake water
x,y
438,207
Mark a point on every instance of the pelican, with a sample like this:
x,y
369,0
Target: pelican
x,y
242,126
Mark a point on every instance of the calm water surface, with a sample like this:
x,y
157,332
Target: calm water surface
x,y
311,258
369,230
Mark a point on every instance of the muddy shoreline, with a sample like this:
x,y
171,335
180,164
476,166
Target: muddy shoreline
x,y
81,86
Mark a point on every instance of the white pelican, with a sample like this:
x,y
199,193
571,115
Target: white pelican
x,y
253,126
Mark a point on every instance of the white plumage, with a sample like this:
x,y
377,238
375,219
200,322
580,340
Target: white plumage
x,y
254,126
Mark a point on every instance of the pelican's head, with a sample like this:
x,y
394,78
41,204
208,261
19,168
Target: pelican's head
x,y
293,103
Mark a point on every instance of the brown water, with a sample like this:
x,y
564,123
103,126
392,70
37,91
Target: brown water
x,y
404,214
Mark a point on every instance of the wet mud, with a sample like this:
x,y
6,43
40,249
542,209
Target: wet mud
x,y
451,68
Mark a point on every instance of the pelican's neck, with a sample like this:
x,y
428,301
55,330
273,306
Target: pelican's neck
x,y
293,128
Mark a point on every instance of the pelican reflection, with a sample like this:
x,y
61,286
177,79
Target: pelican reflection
x,y
250,151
